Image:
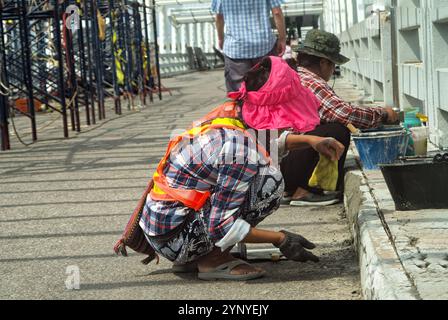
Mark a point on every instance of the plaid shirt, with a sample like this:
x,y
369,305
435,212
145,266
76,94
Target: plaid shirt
x,y
221,161
334,109
248,31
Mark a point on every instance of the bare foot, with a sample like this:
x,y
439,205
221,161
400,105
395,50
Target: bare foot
x,y
300,193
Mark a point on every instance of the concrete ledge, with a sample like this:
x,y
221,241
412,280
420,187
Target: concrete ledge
x,y
382,274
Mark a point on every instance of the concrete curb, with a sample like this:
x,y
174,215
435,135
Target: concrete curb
x,y
382,274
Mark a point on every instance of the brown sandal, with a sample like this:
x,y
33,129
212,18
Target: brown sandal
x,y
223,272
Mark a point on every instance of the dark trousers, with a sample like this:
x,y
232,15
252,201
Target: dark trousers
x,y
299,165
236,69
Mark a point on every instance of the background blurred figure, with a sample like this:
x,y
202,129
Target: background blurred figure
x,y
288,51
246,36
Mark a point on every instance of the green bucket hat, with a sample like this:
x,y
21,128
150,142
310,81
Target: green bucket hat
x,y
325,45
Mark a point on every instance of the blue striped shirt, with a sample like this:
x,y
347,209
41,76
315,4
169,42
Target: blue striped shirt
x,y
248,31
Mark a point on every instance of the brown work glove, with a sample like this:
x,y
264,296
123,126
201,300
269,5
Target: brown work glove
x,y
293,248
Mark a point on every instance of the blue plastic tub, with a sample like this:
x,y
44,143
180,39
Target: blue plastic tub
x,y
381,147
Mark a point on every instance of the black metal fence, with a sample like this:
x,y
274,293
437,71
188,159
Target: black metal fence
x,y
69,56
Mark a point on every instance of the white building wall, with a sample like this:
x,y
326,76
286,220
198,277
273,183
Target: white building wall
x,y
183,38
422,47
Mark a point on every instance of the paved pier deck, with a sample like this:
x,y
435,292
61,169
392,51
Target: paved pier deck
x,y
64,203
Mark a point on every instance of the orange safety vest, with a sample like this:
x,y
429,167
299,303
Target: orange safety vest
x,y
224,116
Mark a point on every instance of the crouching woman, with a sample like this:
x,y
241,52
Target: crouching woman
x,y
217,181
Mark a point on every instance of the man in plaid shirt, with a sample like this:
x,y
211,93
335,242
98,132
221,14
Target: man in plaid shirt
x,y
245,35
317,60
334,109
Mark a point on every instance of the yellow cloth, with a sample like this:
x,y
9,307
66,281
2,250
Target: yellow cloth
x,y
101,26
119,69
229,121
325,175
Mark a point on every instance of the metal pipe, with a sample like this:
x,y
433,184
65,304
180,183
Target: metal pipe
x,y
43,76
128,50
26,59
122,45
4,130
90,62
100,64
148,53
74,92
82,58
138,41
156,48
97,60
177,2
61,84
394,45
4,107
117,101
74,106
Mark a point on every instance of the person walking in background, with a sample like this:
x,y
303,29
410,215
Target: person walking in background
x,y
245,35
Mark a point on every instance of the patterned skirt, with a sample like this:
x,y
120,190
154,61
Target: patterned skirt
x,y
190,240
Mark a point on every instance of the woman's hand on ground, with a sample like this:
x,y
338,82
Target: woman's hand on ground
x,y
329,147
294,248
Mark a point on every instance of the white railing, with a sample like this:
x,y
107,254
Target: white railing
x,y
422,46
172,64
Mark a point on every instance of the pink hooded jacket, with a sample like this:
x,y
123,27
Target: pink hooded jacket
x,y
281,103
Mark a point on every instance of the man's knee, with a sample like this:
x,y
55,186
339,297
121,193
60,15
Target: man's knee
x,y
342,133
338,131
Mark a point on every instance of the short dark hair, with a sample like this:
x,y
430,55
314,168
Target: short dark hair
x,y
256,77
307,60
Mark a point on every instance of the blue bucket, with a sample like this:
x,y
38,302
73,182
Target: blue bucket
x,y
381,147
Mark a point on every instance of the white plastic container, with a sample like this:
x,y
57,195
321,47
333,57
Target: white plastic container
x,y
420,137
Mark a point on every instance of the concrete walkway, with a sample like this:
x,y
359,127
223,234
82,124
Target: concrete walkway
x,y
402,255
64,203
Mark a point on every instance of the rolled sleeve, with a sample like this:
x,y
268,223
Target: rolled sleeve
x,y
334,109
237,233
281,142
